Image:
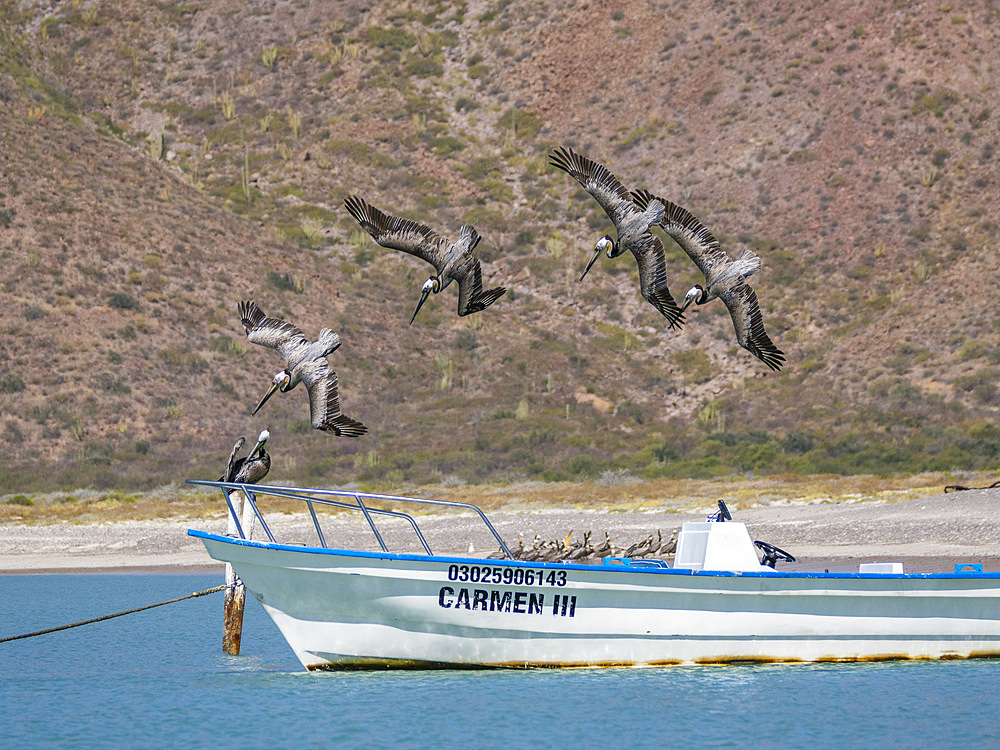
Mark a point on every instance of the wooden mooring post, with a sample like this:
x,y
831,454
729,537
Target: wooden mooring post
x,y
236,592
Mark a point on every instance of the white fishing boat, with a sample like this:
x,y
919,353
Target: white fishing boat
x,y
717,603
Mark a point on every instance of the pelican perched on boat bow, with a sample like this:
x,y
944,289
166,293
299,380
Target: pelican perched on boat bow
x,y
305,362
632,226
453,261
725,278
249,469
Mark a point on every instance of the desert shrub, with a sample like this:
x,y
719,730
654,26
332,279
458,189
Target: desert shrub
x,y
798,442
423,67
122,301
973,349
466,339
447,145
11,383
107,382
936,102
227,345
525,125
695,365
389,39
285,282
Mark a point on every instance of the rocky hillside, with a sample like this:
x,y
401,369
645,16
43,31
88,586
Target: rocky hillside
x,y
161,161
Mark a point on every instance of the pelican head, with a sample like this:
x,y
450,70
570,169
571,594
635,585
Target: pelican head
x,y
603,244
281,382
694,294
433,284
265,434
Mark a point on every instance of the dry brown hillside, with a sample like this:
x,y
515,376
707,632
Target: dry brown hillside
x,y
161,161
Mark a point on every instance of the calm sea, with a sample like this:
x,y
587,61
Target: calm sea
x,y
159,679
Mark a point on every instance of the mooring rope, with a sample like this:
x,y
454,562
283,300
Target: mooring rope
x,y
116,614
960,488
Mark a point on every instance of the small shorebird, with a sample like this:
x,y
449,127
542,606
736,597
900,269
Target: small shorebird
x,y
725,278
632,226
251,468
305,362
453,261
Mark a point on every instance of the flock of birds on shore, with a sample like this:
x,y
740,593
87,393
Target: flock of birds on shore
x,y
633,215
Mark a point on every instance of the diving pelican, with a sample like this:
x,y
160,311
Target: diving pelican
x,y
453,261
725,278
305,362
251,468
632,226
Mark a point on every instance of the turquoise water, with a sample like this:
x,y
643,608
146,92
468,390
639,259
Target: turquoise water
x,y
159,679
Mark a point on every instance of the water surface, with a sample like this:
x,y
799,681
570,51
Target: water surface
x,y
159,678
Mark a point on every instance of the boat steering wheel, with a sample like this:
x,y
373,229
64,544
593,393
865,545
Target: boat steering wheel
x,y
771,553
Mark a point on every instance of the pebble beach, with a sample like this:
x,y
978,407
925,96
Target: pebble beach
x,y
928,534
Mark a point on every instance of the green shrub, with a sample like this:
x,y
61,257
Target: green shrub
x,y
122,301
11,383
389,39
525,125
285,282
695,365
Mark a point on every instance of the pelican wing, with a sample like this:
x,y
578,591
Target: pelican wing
x,y
398,234
273,333
598,181
688,232
648,252
254,469
749,324
471,297
324,401
233,466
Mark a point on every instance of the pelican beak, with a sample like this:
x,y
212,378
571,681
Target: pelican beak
x,y
260,444
597,254
423,296
274,387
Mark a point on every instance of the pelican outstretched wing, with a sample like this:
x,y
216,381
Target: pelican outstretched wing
x,y
274,333
324,401
597,180
749,324
233,466
398,234
687,231
648,252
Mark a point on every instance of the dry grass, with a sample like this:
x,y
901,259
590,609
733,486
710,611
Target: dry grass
x,y
623,494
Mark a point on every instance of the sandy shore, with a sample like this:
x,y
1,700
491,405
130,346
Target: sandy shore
x,y
929,534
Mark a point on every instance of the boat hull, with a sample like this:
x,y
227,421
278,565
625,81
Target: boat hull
x,y
341,609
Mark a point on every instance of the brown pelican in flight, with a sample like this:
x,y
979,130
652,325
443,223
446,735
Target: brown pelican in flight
x,y
249,469
452,260
305,362
725,278
632,225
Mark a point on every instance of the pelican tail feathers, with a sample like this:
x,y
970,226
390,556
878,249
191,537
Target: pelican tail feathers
x,y
483,300
469,234
667,307
251,316
328,341
344,426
